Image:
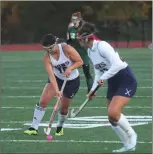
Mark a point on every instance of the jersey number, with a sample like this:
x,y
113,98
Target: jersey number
x,y
103,70
73,35
62,69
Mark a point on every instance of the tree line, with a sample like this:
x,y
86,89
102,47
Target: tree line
x,y
28,21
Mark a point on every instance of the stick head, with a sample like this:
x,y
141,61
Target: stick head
x,y
72,113
47,131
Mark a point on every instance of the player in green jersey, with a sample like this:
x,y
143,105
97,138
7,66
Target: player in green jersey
x,y
72,34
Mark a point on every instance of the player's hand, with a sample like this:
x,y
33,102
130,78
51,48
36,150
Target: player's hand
x,y
67,72
59,94
91,97
100,82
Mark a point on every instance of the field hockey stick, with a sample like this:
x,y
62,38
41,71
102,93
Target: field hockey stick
x,y
48,130
75,113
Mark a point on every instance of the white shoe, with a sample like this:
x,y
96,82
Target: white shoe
x,y
124,149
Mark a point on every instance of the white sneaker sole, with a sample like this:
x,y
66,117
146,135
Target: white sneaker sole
x,y
123,150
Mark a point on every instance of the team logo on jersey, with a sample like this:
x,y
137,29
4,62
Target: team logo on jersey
x,y
62,67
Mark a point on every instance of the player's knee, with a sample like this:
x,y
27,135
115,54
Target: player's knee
x,y
113,115
113,123
43,103
64,111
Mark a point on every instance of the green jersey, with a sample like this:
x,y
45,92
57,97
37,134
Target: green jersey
x,y
73,34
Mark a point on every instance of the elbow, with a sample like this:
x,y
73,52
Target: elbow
x,y
81,62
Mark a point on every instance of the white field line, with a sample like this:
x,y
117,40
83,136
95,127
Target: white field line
x,y
69,141
87,107
25,66
10,129
82,75
6,87
19,60
91,118
29,97
45,75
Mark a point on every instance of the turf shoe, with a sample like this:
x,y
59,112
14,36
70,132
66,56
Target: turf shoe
x,y
31,131
131,146
124,149
59,131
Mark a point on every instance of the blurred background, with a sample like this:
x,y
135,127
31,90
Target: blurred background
x,y
25,22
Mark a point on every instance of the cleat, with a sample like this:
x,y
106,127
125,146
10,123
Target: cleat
x,y
31,131
124,149
131,146
59,131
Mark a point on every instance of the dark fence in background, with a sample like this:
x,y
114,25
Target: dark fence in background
x,y
109,30
26,22
118,31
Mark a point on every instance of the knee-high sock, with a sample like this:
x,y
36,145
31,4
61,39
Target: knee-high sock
x,y
37,117
121,134
61,120
124,124
89,80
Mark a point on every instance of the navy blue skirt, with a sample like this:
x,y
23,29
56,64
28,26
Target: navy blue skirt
x,y
122,84
71,87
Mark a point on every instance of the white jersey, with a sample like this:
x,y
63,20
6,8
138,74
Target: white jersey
x,y
106,61
60,65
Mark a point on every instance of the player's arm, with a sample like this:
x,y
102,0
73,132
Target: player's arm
x,y
69,40
112,56
74,56
49,69
96,79
95,83
68,34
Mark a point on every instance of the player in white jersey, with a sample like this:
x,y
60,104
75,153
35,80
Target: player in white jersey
x,y
122,84
60,61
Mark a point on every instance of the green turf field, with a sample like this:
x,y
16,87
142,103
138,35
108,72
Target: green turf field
x,y
23,77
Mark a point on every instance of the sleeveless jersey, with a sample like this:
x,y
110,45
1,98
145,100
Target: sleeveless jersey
x,y
60,65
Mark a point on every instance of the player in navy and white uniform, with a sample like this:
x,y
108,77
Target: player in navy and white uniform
x,y
60,61
122,84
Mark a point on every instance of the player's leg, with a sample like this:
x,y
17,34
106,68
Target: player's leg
x,y
70,90
117,119
40,108
62,115
118,97
86,68
116,128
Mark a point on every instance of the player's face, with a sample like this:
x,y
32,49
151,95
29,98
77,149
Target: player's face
x,y
75,21
51,48
83,42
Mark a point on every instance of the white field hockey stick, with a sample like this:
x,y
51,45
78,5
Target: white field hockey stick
x,y
75,113
48,130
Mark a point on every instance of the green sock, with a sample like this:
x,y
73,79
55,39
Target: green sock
x,y
89,80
